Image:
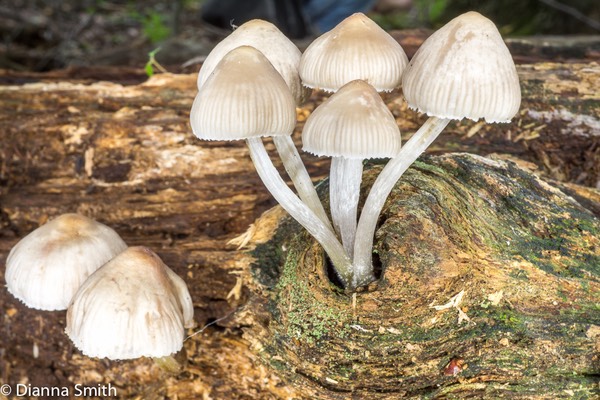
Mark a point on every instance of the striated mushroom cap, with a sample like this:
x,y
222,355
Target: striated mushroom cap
x,y
464,70
357,48
352,123
269,40
134,306
244,97
47,267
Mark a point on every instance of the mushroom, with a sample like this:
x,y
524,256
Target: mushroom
x,y
352,125
281,52
245,98
285,58
47,267
463,70
134,306
357,48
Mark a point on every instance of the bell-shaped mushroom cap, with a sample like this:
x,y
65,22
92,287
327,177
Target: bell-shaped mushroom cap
x,y
464,70
47,267
357,48
134,306
244,97
265,37
352,123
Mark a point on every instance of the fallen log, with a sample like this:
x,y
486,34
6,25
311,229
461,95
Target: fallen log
x,y
124,155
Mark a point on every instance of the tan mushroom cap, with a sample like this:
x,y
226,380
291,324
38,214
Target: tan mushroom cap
x,y
357,48
47,267
352,123
464,70
281,52
244,97
134,306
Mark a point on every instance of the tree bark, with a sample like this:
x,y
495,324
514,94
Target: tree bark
x,y
124,155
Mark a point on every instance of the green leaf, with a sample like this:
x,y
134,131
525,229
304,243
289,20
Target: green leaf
x,y
149,69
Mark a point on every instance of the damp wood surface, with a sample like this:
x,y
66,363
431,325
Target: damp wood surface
x,y
123,153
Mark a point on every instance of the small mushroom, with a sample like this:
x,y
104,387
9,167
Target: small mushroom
x,y
134,306
47,267
284,56
463,70
357,48
245,98
281,52
352,125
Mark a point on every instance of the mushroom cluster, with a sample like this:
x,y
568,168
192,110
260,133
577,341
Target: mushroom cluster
x,y
122,302
248,89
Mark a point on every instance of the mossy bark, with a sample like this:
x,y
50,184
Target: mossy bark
x,y
523,258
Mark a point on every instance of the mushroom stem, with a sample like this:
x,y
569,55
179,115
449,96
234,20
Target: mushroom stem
x,y
300,211
344,189
297,172
363,248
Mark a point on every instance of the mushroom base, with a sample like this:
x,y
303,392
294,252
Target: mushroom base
x,y
512,262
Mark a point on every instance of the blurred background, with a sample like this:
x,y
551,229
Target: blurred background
x,y
44,35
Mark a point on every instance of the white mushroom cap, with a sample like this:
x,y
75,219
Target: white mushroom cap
x,y
134,306
265,37
464,70
46,267
352,123
244,97
357,48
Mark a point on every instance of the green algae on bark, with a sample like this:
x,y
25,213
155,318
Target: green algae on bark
x,y
511,262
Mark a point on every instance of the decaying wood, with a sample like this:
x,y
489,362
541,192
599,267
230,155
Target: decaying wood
x,y
490,287
125,156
